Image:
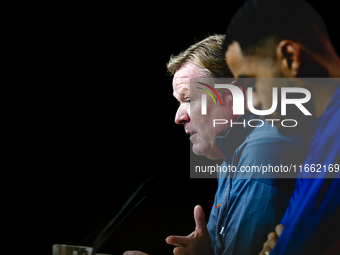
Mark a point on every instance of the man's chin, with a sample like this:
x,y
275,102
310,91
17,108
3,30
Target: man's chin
x,y
198,150
206,152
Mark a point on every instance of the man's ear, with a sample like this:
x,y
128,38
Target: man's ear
x,y
288,55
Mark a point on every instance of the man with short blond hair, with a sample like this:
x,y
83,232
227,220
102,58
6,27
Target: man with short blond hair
x,y
245,207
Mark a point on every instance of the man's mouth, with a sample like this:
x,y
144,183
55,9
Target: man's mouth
x,y
192,134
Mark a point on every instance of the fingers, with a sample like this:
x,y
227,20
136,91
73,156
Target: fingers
x,y
177,240
134,253
187,244
266,249
199,216
264,252
180,251
270,244
279,229
272,239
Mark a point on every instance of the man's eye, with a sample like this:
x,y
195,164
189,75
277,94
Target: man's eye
x,y
188,100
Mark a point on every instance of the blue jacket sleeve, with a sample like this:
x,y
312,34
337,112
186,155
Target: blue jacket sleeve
x,y
312,221
312,226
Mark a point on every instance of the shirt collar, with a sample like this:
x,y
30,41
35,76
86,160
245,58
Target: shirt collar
x,y
235,136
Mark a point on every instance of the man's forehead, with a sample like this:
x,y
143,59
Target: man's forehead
x,y
181,84
235,58
181,80
185,73
245,66
181,89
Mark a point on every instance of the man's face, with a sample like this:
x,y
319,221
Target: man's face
x,y
254,67
260,69
200,127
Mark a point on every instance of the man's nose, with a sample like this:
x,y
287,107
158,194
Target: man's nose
x,y
182,114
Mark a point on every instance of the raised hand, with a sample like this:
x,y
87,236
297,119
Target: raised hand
x,y
198,242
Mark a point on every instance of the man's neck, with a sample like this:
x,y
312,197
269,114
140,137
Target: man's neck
x,y
322,97
322,92
334,68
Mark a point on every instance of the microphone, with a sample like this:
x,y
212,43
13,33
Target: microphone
x,y
112,225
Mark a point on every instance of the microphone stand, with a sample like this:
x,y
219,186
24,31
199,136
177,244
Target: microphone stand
x,y
111,226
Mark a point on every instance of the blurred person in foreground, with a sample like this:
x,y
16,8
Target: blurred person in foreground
x,y
246,206
293,43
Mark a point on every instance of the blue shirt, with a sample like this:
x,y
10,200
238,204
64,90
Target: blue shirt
x,y
247,206
312,221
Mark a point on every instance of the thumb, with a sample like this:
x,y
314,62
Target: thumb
x,y
199,218
279,229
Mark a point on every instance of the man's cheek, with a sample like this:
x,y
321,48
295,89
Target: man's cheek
x,y
195,109
195,115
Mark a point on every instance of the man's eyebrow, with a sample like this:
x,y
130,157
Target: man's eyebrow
x,y
180,94
174,95
245,76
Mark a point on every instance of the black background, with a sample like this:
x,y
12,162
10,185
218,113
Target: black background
x,y
94,117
